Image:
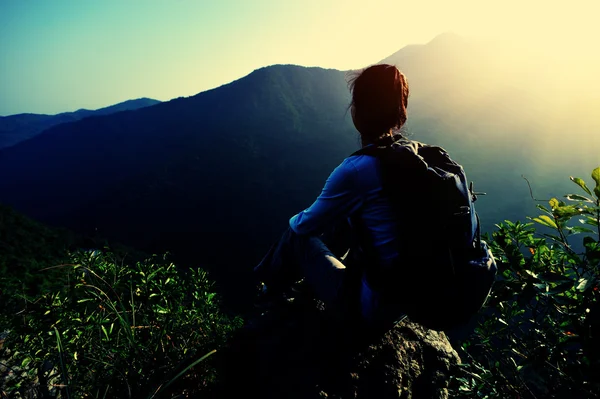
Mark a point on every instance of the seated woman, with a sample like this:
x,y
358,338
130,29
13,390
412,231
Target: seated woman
x,y
315,247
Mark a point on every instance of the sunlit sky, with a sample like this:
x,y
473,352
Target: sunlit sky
x,y
58,55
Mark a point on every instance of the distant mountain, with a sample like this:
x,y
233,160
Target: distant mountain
x,y
215,177
129,105
20,127
502,119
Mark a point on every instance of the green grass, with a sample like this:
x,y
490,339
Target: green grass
x,y
93,323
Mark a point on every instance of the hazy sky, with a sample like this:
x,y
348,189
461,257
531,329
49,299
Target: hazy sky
x,y
58,55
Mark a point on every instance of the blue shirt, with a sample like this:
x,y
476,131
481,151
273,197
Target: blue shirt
x,y
353,190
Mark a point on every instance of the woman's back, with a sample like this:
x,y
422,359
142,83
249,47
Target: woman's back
x,y
374,221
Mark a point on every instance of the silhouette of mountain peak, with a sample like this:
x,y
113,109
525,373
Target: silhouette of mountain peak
x,y
446,38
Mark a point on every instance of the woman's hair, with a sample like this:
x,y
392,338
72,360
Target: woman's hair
x,y
379,100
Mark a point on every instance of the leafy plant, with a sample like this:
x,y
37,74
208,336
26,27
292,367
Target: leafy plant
x,y
540,337
114,329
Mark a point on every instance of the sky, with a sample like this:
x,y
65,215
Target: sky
x,y
59,55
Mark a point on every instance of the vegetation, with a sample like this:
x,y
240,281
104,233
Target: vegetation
x,y
540,336
26,247
96,323
104,326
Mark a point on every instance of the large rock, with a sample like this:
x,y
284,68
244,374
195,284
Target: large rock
x,y
306,354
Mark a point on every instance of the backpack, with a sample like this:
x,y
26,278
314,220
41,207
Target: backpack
x,y
445,271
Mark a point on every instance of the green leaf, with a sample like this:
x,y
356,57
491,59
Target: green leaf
x,y
542,287
543,208
559,289
546,221
585,283
162,387
589,242
565,300
532,274
161,310
553,203
153,273
566,211
596,176
581,183
26,361
553,277
577,197
590,221
579,229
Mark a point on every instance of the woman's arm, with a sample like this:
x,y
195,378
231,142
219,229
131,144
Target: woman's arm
x,y
339,198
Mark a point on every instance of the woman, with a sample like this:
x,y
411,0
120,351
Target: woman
x,y
316,243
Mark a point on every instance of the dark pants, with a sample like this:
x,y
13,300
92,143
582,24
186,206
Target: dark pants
x,y
340,286
316,259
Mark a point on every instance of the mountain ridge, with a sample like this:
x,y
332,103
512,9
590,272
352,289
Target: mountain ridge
x,y
20,127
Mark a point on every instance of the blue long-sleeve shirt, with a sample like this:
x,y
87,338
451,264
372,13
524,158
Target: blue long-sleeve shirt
x,y
354,191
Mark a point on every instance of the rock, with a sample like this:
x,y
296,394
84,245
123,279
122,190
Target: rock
x,y
409,361
305,354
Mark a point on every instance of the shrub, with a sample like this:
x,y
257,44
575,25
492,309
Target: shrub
x,y
114,329
539,337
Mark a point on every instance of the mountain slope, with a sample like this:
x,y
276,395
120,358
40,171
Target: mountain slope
x,y
20,127
201,176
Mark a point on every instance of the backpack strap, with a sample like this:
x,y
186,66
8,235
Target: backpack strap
x,y
387,152
386,142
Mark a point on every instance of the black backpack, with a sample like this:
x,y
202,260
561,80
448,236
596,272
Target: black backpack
x,y
445,272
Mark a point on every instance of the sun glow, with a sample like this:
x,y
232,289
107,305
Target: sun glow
x,y
62,56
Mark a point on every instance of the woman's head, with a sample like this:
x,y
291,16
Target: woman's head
x,y
379,100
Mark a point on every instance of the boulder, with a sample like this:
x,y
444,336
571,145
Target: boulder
x,y
291,353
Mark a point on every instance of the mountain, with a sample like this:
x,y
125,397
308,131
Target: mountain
x,y
213,178
20,127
